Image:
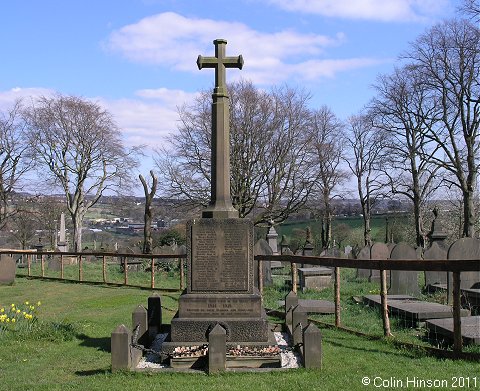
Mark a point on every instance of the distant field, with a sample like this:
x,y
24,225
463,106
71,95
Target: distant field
x,y
378,225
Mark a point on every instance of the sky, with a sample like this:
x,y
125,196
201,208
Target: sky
x,y
137,58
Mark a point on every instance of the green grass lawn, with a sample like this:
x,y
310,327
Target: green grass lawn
x,y
71,349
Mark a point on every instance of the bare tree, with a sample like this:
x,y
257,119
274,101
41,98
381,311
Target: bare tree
x,y
447,58
471,8
270,170
403,109
149,194
367,154
14,160
78,148
24,223
287,166
327,141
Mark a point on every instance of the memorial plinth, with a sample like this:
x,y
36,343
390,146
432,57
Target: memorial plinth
x,y
220,286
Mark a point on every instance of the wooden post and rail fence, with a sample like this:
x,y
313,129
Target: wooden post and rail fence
x,y
454,266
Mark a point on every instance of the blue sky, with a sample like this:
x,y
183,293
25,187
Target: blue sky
x,y
138,57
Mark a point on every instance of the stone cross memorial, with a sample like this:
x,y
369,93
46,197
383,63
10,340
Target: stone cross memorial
x,y
220,287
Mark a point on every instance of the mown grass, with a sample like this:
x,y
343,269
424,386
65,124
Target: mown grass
x,y
93,272
78,357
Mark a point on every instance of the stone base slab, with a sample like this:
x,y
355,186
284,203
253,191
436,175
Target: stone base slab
x,y
240,329
209,306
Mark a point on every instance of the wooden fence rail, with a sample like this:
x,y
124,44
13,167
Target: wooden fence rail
x,y
123,260
455,266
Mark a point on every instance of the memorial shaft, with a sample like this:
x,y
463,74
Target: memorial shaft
x,y
220,200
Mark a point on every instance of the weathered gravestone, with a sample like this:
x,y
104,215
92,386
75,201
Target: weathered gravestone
x,y
262,248
364,254
378,251
62,241
7,270
220,260
403,281
435,278
465,248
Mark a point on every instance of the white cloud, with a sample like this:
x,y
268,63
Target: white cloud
x,y
145,120
382,10
172,40
7,98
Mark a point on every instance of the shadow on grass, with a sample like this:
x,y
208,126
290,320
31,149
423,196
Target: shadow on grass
x,y
93,372
348,345
102,344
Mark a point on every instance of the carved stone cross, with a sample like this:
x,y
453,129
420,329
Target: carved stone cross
x,y
220,201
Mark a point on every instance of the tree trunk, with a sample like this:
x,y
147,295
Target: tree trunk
x,y
468,214
147,229
367,230
77,232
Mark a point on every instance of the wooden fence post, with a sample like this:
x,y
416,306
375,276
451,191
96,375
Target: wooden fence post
x,y
29,265
80,268
152,271
125,271
337,297
383,300
104,268
457,319
62,271
42,262
294,277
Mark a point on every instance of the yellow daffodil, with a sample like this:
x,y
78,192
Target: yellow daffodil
x,y
13,320
8,320
2,310
18,311
39,303
27,303
12,305
32,308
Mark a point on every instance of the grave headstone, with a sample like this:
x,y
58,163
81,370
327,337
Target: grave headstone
x,y
435,278
284,244
308,246
465,248
364,254
54,264
272,237
378,251
7,270
348,250
403,281
437,233
262,248
62,241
